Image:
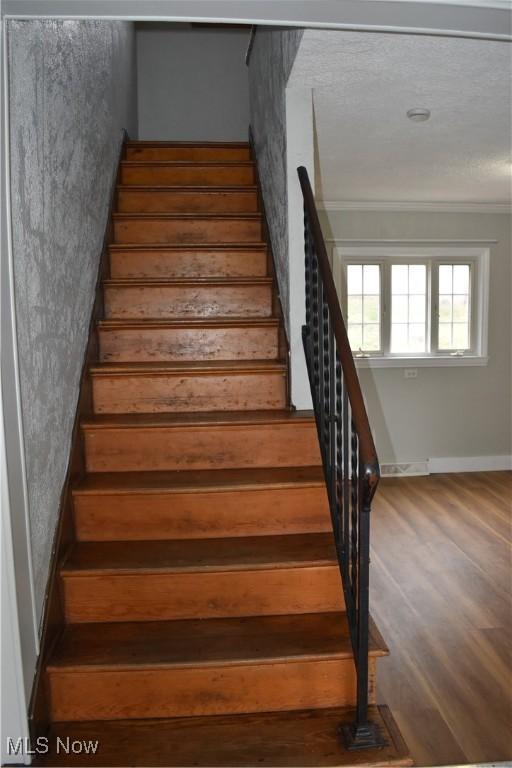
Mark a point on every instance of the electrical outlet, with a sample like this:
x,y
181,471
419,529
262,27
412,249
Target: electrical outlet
x,y
410,373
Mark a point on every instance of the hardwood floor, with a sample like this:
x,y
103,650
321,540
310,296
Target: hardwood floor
x,y
441,595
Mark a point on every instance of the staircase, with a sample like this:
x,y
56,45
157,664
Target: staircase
x,y
205,621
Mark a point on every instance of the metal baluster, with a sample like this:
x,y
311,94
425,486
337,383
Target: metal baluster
x,y
339,455
328,410
346,480
332,427
307,265
315,324
321,393
354,492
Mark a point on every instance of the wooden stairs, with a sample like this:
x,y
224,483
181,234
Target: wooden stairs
x,y
204,611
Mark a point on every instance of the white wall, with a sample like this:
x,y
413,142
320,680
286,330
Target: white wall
x,y
71,91
192,83
445,412
299,152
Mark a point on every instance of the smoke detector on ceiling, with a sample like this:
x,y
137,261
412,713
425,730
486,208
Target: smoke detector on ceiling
x,y
418,114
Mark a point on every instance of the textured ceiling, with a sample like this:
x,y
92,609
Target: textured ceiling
x,y
368,150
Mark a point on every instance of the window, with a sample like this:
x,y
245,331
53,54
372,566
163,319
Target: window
x,y
423,304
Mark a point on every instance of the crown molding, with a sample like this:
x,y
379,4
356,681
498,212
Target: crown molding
x,y
413,206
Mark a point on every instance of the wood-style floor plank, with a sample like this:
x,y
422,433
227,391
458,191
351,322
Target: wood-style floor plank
x,y
441,594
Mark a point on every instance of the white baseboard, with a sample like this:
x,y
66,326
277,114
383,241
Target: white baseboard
x,y
470,464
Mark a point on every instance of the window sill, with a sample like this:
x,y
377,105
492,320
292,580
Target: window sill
x,y
437,361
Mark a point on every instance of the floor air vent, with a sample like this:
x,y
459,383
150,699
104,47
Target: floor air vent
x,y
409,469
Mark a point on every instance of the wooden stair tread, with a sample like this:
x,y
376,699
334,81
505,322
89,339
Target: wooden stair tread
x,y
200,555
212,418
187,188
305,738
150,143
199,642
193,367
188,216
184,282
189,163
190,322
199,480
251,246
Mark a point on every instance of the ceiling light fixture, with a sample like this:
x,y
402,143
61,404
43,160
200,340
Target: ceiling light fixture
x,y
418,115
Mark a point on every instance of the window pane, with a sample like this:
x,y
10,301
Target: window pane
x,y
416,337
399,337
399,278
371,309
416,309
400,309
355,337
445,309
460,336
460,309
445,335
445,278
454,296
371,278
371,341
408,308
354,278
461,278
417,281
355,309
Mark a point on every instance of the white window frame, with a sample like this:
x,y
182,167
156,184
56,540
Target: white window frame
x,y
477,257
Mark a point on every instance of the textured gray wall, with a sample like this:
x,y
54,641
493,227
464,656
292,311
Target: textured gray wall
x,y
72,90
271,61
192,83
445,412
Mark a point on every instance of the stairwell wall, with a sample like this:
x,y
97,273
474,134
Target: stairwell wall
x,y
270,64
72,89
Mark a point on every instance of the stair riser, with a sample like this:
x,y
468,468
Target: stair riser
x,y
185,154
172,394
215,176
200,515
223,690
138,302
133,449
150,201
187,230
187,344
188,264
161,596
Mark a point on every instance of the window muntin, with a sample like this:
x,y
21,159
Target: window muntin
x,y
408,308
454,307
364,307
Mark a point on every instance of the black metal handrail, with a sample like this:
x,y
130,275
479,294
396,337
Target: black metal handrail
x,y
349,457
